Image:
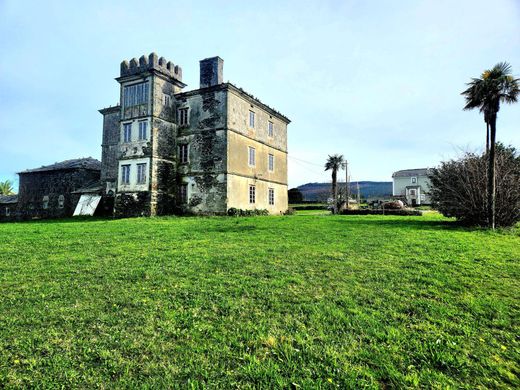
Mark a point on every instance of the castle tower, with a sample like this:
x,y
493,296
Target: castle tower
x,y
147,130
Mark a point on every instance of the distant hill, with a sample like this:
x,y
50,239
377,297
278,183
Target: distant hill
x,y
368,189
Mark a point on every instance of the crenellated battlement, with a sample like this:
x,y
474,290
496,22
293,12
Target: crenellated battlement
x,y
136,66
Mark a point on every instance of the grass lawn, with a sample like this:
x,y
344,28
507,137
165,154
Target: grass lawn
x,y
301,301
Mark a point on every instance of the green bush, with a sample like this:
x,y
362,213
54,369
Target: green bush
x,y
404,212
234,212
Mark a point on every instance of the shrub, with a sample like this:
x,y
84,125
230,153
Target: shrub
x,y
289,211
234,212
459,188
405,212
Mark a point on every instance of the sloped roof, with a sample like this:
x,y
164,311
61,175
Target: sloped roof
x,y
412,172
8,199
77,163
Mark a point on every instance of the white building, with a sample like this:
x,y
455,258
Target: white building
x,y
413,185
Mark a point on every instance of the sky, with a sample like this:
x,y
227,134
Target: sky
x,y
377,81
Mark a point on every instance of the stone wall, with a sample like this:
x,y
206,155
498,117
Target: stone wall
x,y
205,136
109,146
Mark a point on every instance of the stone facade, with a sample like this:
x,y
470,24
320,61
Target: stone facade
x,y
168,151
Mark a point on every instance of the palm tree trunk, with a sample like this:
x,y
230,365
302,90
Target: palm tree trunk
x,y
487,137
491,174
334,191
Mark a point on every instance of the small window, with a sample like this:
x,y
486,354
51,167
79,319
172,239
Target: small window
x,y
61,201
125,174
251,119
414,180
271,196
270,131
183,193
141,173
412,192
167,100
127,132
143,130
271,163
252,157
183,116
183,153
45,204
252,194
7,212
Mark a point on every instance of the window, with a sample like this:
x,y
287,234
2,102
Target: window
x,y
414,180
271,196
143,127
61,201
252,194
251,157
270,131
183,193
183,153
412,192
167,100
183,116
45,204
7,212
127,132
135,94
125,174
251,119
270,164
141,173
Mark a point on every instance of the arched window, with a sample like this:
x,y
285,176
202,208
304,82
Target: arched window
x,y
61,201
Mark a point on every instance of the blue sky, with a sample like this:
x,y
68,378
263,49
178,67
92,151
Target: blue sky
x,y
378,81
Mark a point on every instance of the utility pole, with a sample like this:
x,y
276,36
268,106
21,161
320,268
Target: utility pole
x,y
347,184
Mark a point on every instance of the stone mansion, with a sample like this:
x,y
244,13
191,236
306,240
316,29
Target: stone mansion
x,y
165,150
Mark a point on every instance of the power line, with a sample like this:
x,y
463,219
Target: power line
x,y
304,161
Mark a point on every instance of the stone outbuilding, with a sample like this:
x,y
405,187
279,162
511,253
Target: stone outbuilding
x,y
50,191
8,204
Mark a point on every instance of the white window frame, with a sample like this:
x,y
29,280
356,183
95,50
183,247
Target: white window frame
x,y
184,153
127,132
125,178
141,173
183,116
61,201
45,202
252,119
270,196
7,212
143,130
413,179
270,162
252,194
251,156
270,129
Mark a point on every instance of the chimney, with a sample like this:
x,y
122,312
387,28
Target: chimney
x,y
211,72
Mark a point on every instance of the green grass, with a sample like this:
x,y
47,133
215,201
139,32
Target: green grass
x,y
303,301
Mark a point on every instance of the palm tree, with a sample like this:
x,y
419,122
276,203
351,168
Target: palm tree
x,y
6,187
335,163
495,86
